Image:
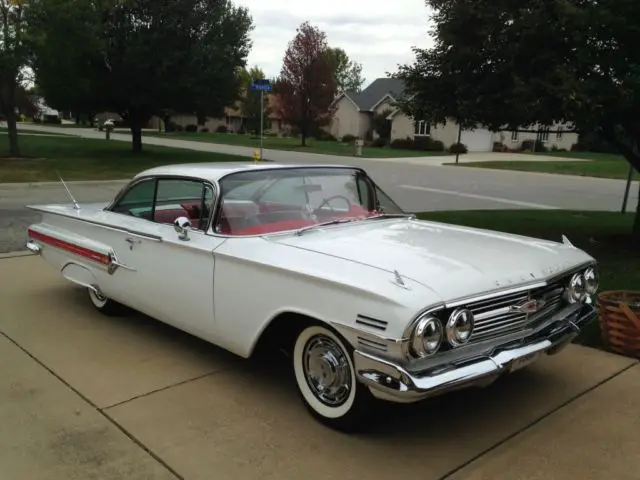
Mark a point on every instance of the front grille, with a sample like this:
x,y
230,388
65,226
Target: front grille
x,y
493,317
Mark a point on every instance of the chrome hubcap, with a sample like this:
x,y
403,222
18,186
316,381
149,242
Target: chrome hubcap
x,y
326,369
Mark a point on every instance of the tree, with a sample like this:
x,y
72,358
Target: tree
x,y
13,57
140,57
508,64
381,125
348,74
251,99
306,85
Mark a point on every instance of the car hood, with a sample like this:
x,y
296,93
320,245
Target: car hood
x,y
451,260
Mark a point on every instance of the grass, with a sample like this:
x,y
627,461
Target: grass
x,y
604,235
88,159
293,144
601,165
27,130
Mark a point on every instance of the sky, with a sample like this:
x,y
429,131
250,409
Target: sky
x,y
379,34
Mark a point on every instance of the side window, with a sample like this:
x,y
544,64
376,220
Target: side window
x,y
138,200
286,192
385,204
183,198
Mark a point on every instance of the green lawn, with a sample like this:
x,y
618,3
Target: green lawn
x,y
275,143
603,235
22,128
603,165
88,159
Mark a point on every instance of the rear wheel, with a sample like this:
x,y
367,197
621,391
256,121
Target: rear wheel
x,y
105,305
326,379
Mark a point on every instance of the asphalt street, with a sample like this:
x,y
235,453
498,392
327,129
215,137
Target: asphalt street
x,y
417,184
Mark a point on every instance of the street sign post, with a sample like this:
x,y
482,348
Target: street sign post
x,y
262,85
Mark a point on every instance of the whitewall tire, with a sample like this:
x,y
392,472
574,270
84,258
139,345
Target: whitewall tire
x,y
326,379
105,305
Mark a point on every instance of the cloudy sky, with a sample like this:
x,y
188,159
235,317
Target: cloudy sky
x,y
377,33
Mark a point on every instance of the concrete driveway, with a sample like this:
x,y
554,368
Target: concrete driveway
x,y
86,396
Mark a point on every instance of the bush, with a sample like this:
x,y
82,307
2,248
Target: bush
x,y
222,129
52,119
500,147
204,130
191,128
458,148
348,138
427,144
379,142
242,130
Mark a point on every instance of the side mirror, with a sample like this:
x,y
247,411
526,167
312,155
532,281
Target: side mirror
x,y
182,226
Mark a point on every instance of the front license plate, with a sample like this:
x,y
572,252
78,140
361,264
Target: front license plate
x,y
522,362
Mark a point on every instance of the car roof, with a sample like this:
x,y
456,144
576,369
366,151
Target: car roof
x,y
214,171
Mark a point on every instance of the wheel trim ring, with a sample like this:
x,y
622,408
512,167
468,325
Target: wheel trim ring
x,y
335,367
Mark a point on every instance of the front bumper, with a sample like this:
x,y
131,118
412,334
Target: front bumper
x,y
391,381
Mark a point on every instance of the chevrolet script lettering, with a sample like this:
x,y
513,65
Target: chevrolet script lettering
x,y
530,306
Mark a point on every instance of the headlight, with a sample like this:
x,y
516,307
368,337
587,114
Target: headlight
x,y
576,290
427,336
460,327
591,280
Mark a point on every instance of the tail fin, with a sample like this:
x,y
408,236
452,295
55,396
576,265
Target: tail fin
x,y
75,204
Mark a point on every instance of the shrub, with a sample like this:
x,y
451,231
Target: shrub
x,y
402,143
500,147
348,138
204,130
242,130
191,128
458,148
427,144
379,142
222,129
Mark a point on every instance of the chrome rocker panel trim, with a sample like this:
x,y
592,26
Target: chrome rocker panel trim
x,y
390,381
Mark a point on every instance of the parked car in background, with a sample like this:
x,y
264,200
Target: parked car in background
x,y
369,302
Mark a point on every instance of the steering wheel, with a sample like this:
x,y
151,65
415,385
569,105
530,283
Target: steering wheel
x,y
327,200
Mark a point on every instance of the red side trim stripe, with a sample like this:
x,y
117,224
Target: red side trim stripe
x,y
70,247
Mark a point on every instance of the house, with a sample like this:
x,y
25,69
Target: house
x,y
354,115
232,120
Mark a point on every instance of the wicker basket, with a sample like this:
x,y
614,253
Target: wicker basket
x,y
619,313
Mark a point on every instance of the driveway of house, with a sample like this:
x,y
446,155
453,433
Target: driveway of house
x,y
87,396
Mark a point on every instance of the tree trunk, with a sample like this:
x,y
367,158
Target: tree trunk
x,y
136,136
12,127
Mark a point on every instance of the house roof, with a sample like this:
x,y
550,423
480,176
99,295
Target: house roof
x,y
374,93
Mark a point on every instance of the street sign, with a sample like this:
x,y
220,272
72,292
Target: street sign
x,y
261,84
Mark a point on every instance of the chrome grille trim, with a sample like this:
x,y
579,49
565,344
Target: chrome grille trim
x,y
371,322
493,317
368,343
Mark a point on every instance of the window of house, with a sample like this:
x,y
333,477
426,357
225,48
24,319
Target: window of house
x,y
422,128
543,134
514,135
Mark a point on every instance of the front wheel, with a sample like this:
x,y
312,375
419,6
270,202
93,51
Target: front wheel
x,y
105,305
326,379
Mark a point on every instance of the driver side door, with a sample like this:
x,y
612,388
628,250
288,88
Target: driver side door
x,y
164,276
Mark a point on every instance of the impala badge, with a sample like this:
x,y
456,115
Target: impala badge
x,y
529,306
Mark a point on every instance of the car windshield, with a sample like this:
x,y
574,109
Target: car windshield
x,y
275,200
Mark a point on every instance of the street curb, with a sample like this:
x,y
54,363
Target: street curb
x,y
51,184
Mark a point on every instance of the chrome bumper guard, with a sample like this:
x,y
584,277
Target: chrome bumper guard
x,y
393,382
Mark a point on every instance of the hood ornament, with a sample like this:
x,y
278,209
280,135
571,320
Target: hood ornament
x,y
398,280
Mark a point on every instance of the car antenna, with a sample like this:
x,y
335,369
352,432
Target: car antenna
x,y
75,204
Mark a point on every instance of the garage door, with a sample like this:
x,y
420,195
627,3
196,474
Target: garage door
x,y
478,140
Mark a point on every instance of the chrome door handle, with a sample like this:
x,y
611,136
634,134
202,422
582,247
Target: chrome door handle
x,y
132,241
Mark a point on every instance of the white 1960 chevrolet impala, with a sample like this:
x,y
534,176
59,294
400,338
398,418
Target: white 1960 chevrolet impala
x,y
369,301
